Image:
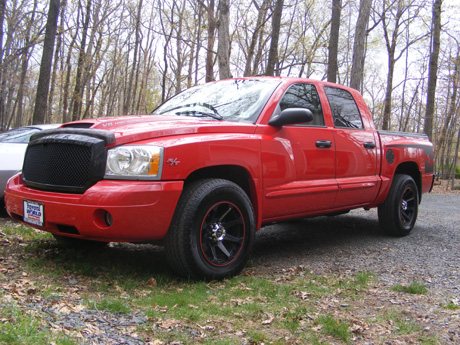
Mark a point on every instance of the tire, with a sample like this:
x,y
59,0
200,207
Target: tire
x,y
397,215
73,242
212,232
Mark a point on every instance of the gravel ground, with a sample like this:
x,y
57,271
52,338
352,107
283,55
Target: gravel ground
x,y
354,242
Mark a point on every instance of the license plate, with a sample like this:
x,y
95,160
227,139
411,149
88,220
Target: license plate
x,y
34,213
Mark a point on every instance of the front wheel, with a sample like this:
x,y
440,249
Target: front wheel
x,y
213,230
397,215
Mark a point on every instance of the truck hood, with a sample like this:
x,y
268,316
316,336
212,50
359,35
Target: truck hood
x,y
136,128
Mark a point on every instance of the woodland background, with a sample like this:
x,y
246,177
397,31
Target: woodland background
x,y
74,59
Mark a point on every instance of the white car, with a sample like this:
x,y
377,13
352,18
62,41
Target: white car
x,y
13,145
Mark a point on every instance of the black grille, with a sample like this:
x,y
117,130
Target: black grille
x,y
64,162
58,164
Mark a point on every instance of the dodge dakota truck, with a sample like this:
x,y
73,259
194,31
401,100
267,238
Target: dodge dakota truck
x,y
212,165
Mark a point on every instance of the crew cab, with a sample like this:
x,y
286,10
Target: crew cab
x,y
212,165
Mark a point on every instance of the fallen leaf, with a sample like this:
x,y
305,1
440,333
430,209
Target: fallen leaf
x,y
206,328
269,320
152,282
301,294
168,324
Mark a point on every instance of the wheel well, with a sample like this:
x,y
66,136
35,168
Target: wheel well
x,y
233,173
411,169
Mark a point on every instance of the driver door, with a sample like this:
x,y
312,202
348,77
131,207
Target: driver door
x,y
298,160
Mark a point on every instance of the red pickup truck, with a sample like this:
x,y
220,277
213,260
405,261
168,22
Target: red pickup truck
x,y
214,164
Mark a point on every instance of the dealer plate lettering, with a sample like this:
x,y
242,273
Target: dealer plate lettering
x,y
34,212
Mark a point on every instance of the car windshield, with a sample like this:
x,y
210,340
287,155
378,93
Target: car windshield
x,y
18,135
239,100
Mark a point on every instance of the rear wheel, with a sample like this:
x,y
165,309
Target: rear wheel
x,y
213,230
397,215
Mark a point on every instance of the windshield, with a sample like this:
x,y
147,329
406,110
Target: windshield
x,y
230,100
18,135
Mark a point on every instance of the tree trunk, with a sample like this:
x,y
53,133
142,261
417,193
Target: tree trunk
x,y
359,46
2,96
276,26
389,91
78,91
65,104
165,48
332,66
211,40
433,71
455,160
49,114
262,12
452,108
180,61
128,98
41,99
223,44
24,67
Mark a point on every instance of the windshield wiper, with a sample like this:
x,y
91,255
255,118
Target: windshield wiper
x,y
198,113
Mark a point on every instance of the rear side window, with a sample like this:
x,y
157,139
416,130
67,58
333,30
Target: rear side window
x,y
304,96
343,107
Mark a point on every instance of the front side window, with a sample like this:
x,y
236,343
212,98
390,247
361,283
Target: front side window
x,y
239,100
304,96
344,110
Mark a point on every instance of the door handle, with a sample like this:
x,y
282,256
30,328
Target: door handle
x,y
369,145
323,144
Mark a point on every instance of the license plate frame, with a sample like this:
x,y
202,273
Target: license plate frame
x,y
34,212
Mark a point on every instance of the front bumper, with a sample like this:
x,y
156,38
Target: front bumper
x,y
140,210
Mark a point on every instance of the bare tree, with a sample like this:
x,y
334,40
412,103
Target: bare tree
x,y
449,121
261,19
25,57
41,99
394,24
275,34
359,46
128,101
78,91
210,9
433,70
332,66
223,43
2,106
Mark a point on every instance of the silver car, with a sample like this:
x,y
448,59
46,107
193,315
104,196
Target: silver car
x,y
13,145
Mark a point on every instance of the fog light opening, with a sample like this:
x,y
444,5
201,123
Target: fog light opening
x,y
108,218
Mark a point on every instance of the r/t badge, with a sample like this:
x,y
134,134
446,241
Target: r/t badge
x,y
173,162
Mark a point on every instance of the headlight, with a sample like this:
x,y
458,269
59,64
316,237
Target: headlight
x,y
134,162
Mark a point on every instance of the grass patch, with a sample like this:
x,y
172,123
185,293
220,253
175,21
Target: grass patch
x,y
337,328
25,233
415,288
363,278
451,305
20,328
114,305
404,325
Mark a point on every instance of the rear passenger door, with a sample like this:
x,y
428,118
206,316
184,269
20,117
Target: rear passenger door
x,y
356,151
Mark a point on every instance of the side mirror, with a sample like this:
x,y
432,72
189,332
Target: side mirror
x,y
291,116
